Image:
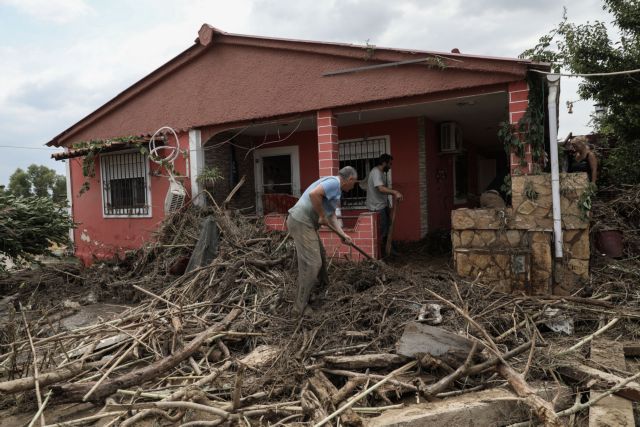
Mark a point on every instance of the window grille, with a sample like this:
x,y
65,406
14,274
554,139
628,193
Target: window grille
x,y
362,155
124,184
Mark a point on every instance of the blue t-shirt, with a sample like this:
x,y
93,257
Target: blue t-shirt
x,y
303,210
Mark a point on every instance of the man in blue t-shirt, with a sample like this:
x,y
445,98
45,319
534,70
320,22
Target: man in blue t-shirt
x,y
316,207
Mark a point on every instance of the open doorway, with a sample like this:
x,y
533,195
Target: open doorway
x,y
277,172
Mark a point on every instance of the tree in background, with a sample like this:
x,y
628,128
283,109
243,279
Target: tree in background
x,y
29,226
588,48
39,181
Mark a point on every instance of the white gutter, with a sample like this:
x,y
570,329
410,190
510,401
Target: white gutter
x,y
554,84
196,165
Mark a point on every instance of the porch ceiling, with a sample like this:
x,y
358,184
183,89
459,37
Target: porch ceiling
x,y
478,116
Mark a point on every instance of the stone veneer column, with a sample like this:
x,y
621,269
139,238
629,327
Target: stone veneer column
x,y
518,102
328,155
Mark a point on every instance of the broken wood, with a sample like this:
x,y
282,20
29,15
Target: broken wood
x,y
325,390
359,396
445,382
363,361
419,338
604,380
542,408
75,392
610,410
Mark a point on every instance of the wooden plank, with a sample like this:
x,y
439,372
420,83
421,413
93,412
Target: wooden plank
x,y
363,361
419,338
584,373
493,407
611,410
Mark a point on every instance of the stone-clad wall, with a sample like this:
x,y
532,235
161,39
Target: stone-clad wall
x,y
490,242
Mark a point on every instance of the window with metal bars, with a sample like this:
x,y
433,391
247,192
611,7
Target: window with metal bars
x,y
361,154
125,184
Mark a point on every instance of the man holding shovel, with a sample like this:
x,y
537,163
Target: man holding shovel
x,y
378,193
316,207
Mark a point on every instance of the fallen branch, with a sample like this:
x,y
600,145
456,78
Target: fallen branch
x,y
590,337
359,396
75,392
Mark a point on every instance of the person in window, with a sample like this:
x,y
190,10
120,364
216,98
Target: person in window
x,y
316,207
378,193
583,159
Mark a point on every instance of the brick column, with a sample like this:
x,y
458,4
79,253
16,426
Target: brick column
x,y
328,157
518,102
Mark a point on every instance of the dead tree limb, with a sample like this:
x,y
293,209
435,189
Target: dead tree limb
x,y
75,392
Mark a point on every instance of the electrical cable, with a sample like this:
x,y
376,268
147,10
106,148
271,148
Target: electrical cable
x,y
613,73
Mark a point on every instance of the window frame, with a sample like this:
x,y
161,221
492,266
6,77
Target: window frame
x,y
147,177
387,144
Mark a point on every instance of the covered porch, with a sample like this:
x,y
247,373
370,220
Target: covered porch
x,y
445,148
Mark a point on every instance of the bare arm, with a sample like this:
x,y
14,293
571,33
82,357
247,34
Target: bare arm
x,y
316,196
333,222
386,190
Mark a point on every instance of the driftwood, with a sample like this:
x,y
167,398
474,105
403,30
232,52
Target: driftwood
x,y
364,361
325,391
419,338
47,378
601,379
75,392
542,408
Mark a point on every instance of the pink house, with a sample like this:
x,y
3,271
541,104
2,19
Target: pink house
x,y
284,112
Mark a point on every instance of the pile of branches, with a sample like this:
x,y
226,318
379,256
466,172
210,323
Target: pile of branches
x,y
219,343
617,208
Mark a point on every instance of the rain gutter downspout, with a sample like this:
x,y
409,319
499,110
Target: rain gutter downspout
x,y
554,84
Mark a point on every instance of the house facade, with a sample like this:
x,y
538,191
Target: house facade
x,y
283,113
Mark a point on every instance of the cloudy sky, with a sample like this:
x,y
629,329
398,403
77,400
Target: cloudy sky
x,y
61,59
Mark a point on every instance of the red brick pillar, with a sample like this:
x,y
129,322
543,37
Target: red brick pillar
x,y
328,157
518,102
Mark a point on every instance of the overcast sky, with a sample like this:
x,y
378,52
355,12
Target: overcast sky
x,y
61,59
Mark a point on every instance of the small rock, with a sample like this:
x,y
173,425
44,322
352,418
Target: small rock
x,y
70,304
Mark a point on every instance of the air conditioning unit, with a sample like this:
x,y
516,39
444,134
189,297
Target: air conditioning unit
x,y
450,137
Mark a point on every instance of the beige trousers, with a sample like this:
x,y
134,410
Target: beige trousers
x,y
311,260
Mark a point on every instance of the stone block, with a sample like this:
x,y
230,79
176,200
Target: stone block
x,y
579,267
489,237
455,239
477,241
514,237
462,264
574,222
460,220
540,237
541,258
576,244
480,219
531,223
466,237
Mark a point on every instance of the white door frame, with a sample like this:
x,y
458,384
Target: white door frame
x,y
293,152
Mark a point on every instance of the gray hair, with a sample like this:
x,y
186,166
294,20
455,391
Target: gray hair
x,y
348,172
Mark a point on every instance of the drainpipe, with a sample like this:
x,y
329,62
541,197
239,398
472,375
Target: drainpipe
x,y
554,84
